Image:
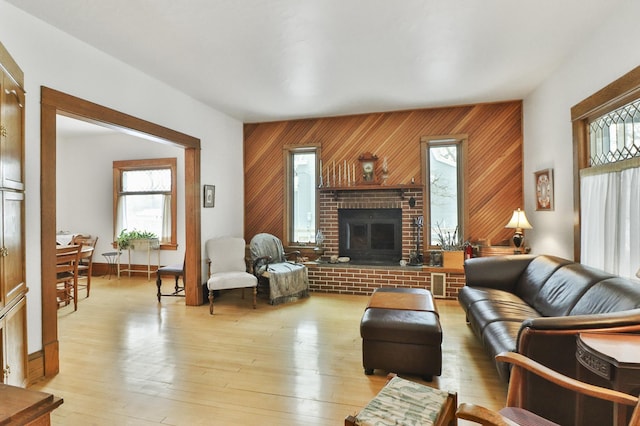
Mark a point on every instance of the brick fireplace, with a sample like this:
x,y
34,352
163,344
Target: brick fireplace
x,y
362,279
379,198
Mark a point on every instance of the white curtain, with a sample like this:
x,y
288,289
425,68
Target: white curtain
x,y
121,220
166,219
610,218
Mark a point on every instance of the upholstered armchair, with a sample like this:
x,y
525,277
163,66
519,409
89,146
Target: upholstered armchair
x,y
227,267
286,279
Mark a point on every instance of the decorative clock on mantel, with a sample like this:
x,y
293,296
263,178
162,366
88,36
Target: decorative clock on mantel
x,y
368,168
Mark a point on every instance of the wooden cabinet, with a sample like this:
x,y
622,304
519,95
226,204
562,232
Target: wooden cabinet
x,y
13,327
12,268
12,147
13,289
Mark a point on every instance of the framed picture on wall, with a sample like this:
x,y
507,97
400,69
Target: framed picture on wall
x,y
544,189
209,195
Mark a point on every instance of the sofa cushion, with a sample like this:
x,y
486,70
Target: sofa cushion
x,y
536,275
467,296
501,336
611,295
564,287
485,312
501,272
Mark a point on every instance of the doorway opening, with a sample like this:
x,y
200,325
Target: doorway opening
x,y
55,103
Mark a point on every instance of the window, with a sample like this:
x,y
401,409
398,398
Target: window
x,y
607,137
610,190
144,195
301,194
444,166
615,136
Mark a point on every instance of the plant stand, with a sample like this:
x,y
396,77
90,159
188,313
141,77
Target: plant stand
x,y
152,244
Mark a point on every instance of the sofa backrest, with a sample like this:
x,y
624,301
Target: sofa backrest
x,y
610,295
496,271
565,287
536,275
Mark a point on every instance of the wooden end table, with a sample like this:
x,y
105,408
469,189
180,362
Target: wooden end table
x,y
616,358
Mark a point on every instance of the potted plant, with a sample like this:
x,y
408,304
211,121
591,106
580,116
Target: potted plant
x,y
131,239
452,248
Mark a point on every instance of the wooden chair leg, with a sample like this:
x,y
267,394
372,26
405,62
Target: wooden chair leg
x,y
255,292
89,273
159,285
75,293
211,302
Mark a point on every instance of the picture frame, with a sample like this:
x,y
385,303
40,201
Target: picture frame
x,y
544,190
209,196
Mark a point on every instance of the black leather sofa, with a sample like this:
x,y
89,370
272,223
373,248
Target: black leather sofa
x,y
537,305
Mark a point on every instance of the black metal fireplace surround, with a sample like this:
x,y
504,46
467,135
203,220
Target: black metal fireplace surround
x,y
370,236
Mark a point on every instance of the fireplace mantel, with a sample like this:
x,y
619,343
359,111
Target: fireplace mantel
x,y
401,189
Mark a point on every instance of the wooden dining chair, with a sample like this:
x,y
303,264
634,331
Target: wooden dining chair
x,y
514,413
67,259
85,266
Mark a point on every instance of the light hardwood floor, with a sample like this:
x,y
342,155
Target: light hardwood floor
x,y
126,359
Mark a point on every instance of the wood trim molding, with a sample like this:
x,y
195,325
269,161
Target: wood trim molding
x,y
11,67
54,102
615,94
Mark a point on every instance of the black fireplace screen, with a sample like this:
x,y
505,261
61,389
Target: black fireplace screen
x,y
370,235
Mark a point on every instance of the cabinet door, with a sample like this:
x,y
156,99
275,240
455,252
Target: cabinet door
x,y
16,362
12,250
12,148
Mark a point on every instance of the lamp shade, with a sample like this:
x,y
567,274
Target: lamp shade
x,y
519,221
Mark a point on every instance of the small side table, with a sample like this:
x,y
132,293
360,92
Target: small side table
x,y
111,257
616,358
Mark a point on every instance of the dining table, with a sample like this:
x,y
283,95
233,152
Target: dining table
x,y
64,238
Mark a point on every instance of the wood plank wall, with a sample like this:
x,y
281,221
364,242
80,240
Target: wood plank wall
x,y
495,179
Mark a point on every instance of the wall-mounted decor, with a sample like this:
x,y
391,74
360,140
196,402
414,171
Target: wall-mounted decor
x,y
544,189
209,195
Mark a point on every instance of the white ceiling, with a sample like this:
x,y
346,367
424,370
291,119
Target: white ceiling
x,y
260,60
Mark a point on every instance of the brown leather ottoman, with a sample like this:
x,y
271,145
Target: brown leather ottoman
x,y
401,333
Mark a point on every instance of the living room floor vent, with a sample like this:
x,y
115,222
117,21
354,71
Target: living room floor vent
x,y
438,284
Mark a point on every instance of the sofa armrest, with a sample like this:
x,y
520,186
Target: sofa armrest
x,y
500,272
623,319
551,341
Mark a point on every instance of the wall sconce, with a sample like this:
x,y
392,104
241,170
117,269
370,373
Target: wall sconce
x,y
518,222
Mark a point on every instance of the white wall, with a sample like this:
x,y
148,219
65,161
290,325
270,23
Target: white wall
x,y
610,53
84,188
52,58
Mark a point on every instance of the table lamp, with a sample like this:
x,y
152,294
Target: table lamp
x,y
518,222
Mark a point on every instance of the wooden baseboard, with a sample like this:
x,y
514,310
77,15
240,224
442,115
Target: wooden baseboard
x,y
36,367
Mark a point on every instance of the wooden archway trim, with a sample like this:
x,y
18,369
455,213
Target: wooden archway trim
x,y
54,102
